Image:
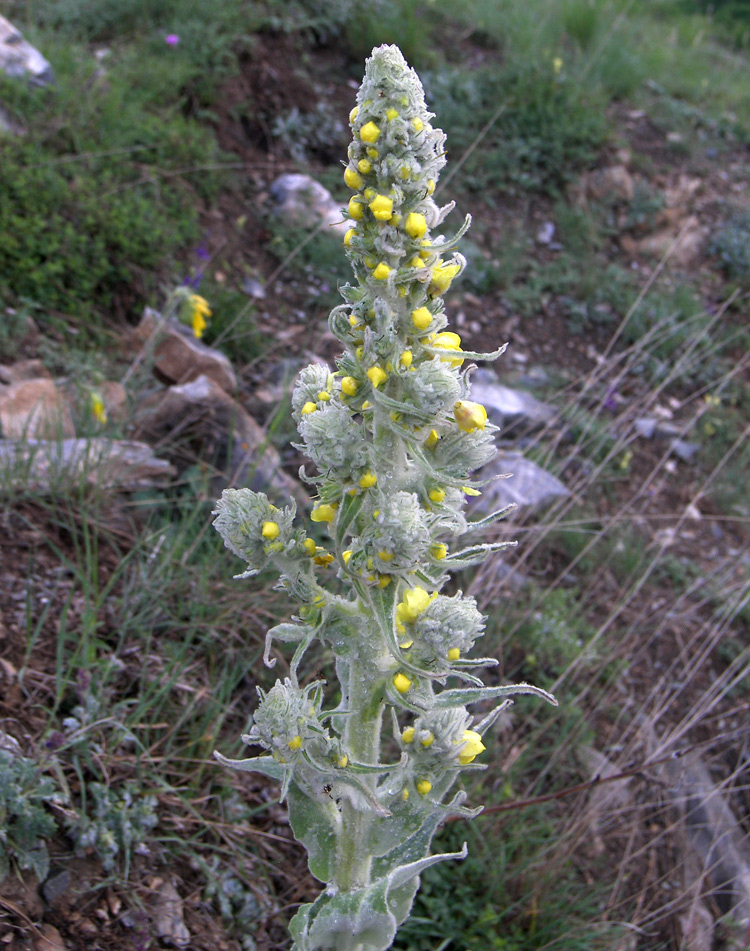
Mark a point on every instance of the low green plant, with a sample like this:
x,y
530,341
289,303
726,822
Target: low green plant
x,y
25,820
368,767
731,244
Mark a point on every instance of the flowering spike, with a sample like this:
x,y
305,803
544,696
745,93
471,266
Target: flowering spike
x,y
393,474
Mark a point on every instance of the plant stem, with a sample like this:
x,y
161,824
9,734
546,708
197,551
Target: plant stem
x,y
362,741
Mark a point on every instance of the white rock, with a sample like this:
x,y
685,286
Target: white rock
x,y
305,203
20,58
523,482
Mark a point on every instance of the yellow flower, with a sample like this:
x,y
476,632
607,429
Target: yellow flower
x,y
472,747
416,225
421,318
424,786
436,495
349,385
432,439
270,530
367,480
352,178
325,559
391,114
428,740
417,123
355,208
442,275
454,653
448,341
376,376
309,545
364,165
348,237
438,552
416,600
470,416
346,555
324,396
381,272
199,310
402,683
98,409
323,513
406,358
353,114
369,132
408,735
308,408
342,762
381,207
295,743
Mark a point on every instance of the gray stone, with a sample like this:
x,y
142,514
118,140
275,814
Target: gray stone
x,y
56,885
546,233
512,410
197,423
684,450
304,203
178,356
521,481
19,58
712,834
169,917
44,465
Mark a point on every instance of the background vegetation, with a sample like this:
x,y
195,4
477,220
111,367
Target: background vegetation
x,y
148,163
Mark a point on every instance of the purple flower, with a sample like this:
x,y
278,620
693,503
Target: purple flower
x,y
171,39
610,402
202,252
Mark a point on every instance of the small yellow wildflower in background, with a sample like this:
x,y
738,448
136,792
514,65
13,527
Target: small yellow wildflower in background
x,y
557,65
199,310
98,409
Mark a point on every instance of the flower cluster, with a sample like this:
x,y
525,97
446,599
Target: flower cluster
x,y
395,438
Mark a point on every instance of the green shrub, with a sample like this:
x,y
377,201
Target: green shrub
x,y
732,245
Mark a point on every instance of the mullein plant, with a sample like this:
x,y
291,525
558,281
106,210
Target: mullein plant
x,y
368,768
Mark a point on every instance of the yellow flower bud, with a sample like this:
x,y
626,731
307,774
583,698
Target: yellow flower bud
x,y
349,385
342,762
432,439
416,261
348,237
405,794
404,645
98,409
406,358
438,551
369,194
295,743
309,545
467,490
386,555
366,405
402,683
428,740
324,396
454,653
323,513
394,220
391,114
367,480
416,225
372,153
364,165
346,555
424,786
472,747
353,114
469,416
408,735
355,208
308,408
352,178
384,581
381,272
417,124
421,318
381,207
436,495
270,530
376,376
369,132
430,186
